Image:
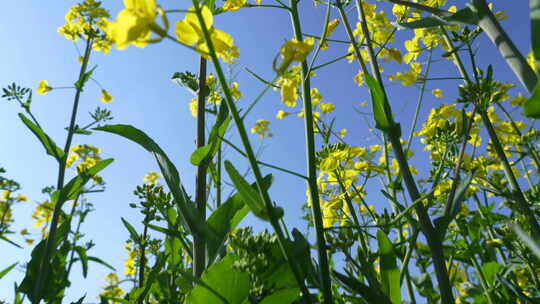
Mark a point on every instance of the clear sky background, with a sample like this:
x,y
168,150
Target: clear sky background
x,y
144,96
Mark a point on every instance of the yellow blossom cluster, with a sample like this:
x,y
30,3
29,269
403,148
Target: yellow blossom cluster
x,y
130,269
89,21
261,127
112,290
214,97
88,156
341,168
42,215
152,177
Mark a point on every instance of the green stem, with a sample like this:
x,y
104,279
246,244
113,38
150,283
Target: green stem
x,y
481,276
50,245
517,194
284,245
200,182
311,165
508,50
432,237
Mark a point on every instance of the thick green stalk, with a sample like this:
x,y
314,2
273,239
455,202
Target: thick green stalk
x,y
50,243
516,192
432,237
284,245
199,253
508,50
311,165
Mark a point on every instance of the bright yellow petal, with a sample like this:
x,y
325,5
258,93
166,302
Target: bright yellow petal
x,y
185,33
221,40
208,18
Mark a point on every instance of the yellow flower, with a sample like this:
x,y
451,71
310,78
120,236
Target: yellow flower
x,y
43,87
289,93
518,100
132,25
151,177
395,54
233,5
408,78
189,31
236,94
437,93
315,96
261,128
327,107
294,50
332,25
106,97
399,10
280,114
21,198
532,61
342,133
193,107
210,80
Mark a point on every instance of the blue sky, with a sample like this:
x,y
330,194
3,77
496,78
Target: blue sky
x,y
139,80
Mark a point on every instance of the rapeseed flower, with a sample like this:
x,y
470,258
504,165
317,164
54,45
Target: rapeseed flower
x,y
43,87
106,97
133,23
190,32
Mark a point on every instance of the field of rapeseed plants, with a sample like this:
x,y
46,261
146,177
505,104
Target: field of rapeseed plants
x,y
461,229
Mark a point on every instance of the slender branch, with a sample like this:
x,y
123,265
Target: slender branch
x,y
432,237
324,267
284,245
50,244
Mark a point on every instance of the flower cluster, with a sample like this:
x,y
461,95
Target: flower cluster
x,y
89,21
88,156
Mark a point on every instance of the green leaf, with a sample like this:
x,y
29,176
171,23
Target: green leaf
x,y
250,195
390,282
81,252
534,246
152,276
231,284
227,217
203,155
4,238
74,187
381,109
50,147
100,261
370,293
200,155
463,16
288,295
532,105
535,29
188,210
84,79
55,281
80,301
132,232
490,269
451,211
8,269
